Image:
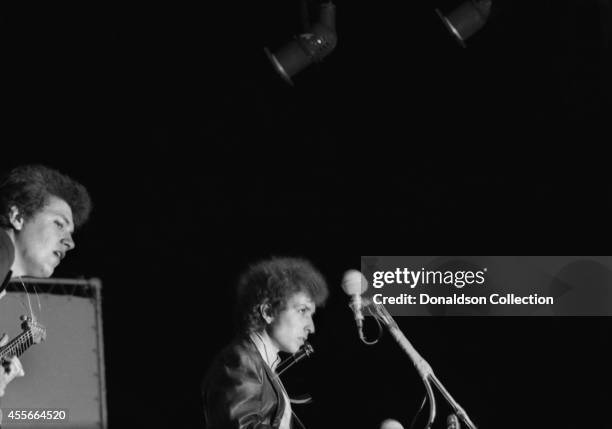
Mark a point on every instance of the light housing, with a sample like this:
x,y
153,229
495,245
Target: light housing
x,y
307,48
467,19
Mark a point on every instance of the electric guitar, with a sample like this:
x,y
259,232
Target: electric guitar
x,y
33,333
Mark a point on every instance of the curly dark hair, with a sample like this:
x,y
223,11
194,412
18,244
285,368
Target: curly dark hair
x,y
274,281
28,187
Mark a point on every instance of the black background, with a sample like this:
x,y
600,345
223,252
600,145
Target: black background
x,y
201,160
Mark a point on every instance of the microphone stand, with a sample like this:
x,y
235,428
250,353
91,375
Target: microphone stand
x,y
422,367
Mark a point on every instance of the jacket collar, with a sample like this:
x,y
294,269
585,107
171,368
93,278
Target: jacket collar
x,y
274,382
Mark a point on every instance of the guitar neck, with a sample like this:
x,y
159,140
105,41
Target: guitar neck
x,y
17,346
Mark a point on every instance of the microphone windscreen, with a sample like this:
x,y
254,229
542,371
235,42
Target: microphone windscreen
x,y
391,424
354,283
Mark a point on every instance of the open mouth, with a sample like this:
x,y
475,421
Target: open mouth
x,y
58,254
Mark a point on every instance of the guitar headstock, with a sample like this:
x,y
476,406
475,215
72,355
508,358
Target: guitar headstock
x,y
39,333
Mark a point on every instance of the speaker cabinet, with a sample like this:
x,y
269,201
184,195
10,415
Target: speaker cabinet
x,y
66,370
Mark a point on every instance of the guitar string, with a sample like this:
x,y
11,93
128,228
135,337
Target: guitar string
x,y
29,301
21,341
16,346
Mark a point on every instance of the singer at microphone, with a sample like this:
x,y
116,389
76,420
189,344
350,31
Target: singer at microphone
x,y
276,300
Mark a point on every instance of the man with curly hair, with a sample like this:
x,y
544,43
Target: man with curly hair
x,y
39,210
276,300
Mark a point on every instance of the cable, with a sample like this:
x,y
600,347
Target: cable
x,y
414,419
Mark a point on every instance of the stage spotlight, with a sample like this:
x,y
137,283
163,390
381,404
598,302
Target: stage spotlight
x,y
307,48
466,19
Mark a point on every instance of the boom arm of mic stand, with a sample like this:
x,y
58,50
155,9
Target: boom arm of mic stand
x,y
458,409
422,367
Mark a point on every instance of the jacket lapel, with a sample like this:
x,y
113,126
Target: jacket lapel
x,y
278,415
273,380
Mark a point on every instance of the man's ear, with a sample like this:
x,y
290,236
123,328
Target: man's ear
x,y
16,218
266,313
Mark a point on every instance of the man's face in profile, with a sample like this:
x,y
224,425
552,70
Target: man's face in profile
x,y
291,327
42,240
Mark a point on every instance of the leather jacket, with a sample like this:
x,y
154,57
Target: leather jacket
x,y
240,391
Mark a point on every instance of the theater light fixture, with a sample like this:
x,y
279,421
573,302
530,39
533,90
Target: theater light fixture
x,y
467,19
307,48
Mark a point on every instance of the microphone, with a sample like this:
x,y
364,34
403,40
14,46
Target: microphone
x,y
354,284
391,424
452,422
